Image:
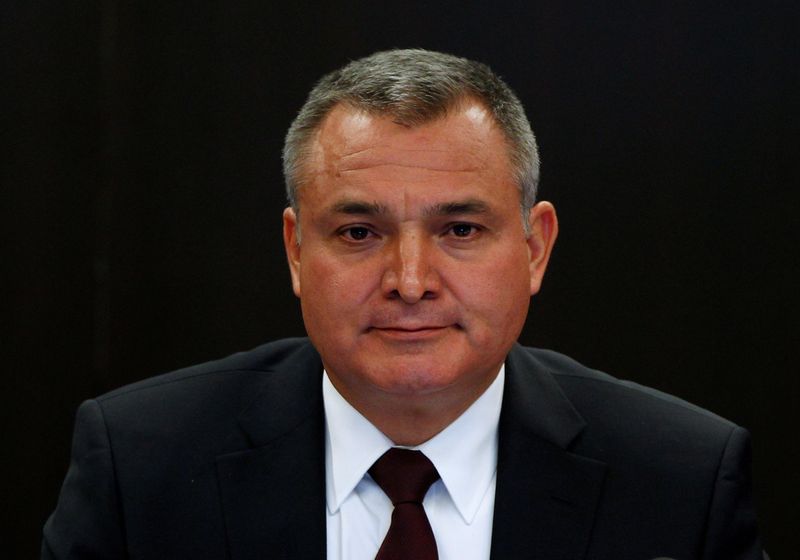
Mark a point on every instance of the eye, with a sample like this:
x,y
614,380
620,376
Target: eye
x,y
463,230
355,233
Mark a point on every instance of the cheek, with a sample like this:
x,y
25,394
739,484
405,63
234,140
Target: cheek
x,y
331,288
496,294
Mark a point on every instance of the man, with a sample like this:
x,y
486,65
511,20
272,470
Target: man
x,y
414,244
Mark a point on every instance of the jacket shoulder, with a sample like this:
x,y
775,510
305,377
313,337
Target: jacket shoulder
x,y
677,475
596,394
207,399
269,357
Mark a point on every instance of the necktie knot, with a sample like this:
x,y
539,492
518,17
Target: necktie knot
x,y
404,475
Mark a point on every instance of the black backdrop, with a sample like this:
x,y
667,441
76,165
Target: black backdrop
x,y
142,195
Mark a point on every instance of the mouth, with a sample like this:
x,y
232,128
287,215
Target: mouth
x,y
410,333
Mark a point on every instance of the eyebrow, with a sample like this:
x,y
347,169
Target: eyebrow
x,y
351,207
470,206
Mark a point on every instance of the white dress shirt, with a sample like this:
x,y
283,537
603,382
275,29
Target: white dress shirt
x,y
459,506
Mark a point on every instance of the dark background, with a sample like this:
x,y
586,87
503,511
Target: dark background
x,y
141,199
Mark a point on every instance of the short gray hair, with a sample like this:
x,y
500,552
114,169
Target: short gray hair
x,y
414,87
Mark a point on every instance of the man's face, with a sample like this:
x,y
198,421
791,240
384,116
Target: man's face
x,y
413,269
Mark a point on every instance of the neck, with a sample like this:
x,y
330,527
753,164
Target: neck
x,y
412,427
411,420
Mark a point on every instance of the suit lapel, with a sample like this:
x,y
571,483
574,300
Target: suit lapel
x,y
546,497
273,492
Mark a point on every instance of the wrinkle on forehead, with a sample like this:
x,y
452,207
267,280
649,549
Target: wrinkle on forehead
x,y
428,158
380,156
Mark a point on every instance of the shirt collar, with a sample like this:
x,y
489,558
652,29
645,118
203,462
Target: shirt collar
x,y
353,444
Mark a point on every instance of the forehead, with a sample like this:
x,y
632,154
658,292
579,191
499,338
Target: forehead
x,y
463,129
353,146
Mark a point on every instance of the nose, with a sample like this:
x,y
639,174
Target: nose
x,y
410,273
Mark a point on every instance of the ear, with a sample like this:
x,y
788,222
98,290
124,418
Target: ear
x,y
544,230
291,243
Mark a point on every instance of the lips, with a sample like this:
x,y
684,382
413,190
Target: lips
x,y
415,333
410,329
411,325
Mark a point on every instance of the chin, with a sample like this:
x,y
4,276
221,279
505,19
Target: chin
x,y
413,380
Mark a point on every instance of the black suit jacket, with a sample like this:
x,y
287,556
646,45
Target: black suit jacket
x,y
226,460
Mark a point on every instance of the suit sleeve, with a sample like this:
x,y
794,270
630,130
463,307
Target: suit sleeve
x,y
732,533
86,523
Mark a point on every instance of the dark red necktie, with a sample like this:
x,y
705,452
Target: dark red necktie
x,y
405,476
